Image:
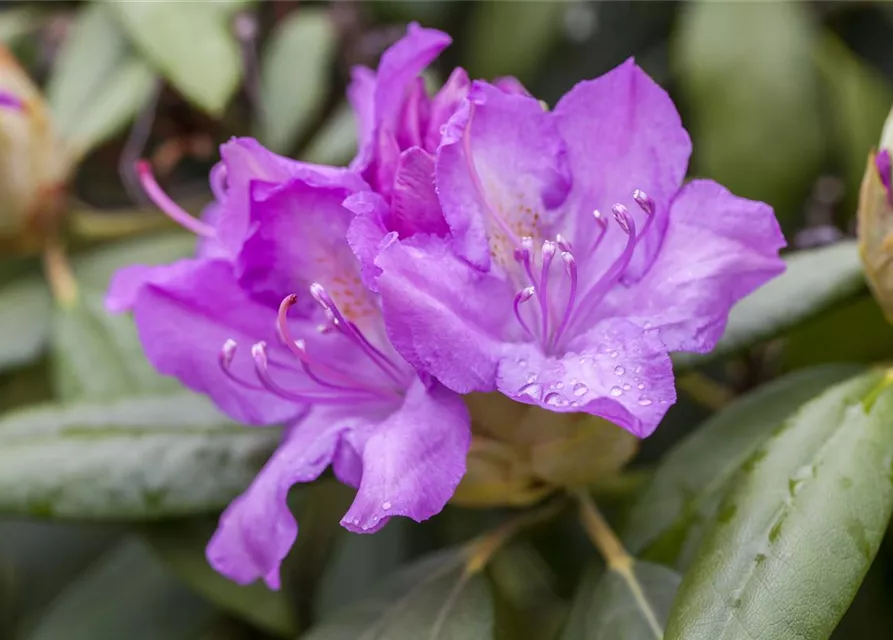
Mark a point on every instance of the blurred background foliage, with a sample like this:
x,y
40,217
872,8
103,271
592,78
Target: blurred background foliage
x,y
783,102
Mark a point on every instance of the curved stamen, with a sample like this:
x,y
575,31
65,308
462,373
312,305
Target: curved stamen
x,y
476,179
218,181
602,224
597,291
261,367
523,296
570,268
646,204
225,360
548,253
563,243
168,206
353,332
296,346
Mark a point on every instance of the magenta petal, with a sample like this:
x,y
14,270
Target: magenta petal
x,y
258,529
616,371
184,313
246,161
510,84
368,233
299,236
516,174
718,248
414,204
361,94
443,316
623,133
413,460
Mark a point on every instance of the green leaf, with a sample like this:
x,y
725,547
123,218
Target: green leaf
x,y
534,27
814,281
191,43
139,457
669,518
126,594
800,525
755,130
97,85
24,321
181,546
632,604
336,140
435,599
296,76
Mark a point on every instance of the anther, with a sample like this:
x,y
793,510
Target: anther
x,y
227,353
644,201
563,243
621,215
523,296
600,219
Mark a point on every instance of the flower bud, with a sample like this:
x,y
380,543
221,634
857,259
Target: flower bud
x,y
519,453
32,167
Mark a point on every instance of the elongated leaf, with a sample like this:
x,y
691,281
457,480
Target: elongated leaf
x,y
126,594
24,321
814,281
135,457
435,599
632,604
295,76
181,545
97,84
667,522
191,43
801,525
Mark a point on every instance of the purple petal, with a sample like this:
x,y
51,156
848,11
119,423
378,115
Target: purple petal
x,y
616,371
623,133
414,204
510,84
368,233
361,94
413,460
718,248
443,316
884,166
300,237
444,105
517,172
247,161
257,530
184,313
11,101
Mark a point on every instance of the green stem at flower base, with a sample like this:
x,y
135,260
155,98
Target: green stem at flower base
x,y
58,271
481,549
615,555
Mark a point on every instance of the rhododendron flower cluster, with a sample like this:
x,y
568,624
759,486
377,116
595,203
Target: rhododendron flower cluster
x,y
477,242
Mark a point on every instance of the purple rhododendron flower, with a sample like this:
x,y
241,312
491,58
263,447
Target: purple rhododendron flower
x,y
560,282
319,361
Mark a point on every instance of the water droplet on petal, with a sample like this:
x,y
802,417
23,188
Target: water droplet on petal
x,y
640,386
531,378
531,390
619,371
614,354
574,403
522,363
580,389
559,385
555,400
647,325
644,402
627,387
616,392
637,370
385,505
